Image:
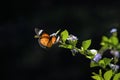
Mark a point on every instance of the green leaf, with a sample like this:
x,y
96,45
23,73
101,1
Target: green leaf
x,y
86,44
114,40
95,74
105,39
96,77
100,72
117,76
105,42
74,42
93,64
69,46
89,57
107,61
102,63
118,46
64,35
66,46
108,75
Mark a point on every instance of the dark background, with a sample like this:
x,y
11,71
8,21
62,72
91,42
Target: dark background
x,y
24,59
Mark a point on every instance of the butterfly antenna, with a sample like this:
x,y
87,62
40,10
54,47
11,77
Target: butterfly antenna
x,y
57,31
36,36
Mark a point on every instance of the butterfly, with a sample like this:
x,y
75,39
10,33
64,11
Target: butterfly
x,y
44,39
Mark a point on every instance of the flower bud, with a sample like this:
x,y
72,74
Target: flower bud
x,y
114,67
97,57
74,51
113,30
115,53
72,37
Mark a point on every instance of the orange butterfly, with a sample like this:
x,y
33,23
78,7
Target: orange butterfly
x,y
45,40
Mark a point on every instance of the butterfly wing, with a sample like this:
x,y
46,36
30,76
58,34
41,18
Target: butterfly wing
x,y
38,31
52,40
45,35
43,40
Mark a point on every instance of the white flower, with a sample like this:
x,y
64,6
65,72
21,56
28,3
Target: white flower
x,y
72,37
113,30
93,51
